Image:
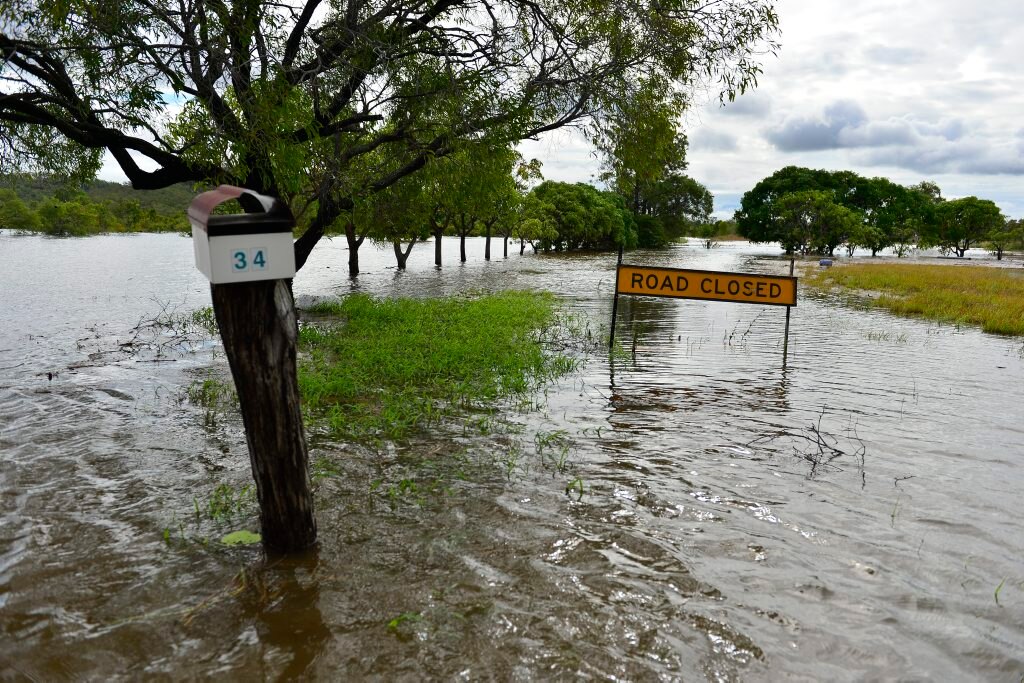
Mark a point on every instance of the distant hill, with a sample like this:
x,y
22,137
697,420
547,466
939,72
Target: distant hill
x,y
171,201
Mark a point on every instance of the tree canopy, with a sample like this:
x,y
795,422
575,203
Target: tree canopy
x,y
888,214
963,222
573,216
291,99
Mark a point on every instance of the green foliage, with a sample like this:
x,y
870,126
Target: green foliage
x,y
227,502
1009,236
890,215
15,214
812,220
392,365
326,108
639,140
581,217
681,203
963,222
650,232
241,537
46,205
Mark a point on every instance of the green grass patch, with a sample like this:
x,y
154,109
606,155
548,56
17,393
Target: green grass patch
x,y
992,298
383,367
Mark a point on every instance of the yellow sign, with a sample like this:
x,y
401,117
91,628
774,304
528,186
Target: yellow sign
x,y
773,290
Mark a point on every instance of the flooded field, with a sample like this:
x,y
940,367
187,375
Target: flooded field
x,y
688,510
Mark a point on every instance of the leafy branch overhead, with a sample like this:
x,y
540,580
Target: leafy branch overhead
x,y
286,98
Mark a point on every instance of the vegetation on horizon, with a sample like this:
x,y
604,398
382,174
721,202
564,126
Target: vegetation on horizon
x,y
992,298
50,206
808,210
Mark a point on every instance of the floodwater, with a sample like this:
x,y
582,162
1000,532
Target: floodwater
x,y
693,510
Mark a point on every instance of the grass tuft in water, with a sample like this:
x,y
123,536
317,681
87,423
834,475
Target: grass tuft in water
x,y
384,367
992,298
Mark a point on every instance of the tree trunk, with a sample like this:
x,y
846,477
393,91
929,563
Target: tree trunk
x,y
506,246
402,256
353,248
258,326
462,246
438,231
487,244
522,245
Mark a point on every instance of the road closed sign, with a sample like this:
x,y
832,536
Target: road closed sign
x,y
772,290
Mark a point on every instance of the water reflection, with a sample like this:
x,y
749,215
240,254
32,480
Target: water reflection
x,y
290,620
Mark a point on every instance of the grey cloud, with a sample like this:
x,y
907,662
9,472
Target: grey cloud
x,y
878,134
748,105
717,141
844,124
893,56
941,156
942,146
804,134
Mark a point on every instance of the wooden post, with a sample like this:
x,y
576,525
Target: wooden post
x,y
258,325
615,302
785,340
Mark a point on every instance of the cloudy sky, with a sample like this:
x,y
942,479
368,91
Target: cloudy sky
x,y
906,89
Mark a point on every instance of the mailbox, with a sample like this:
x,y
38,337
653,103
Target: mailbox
x,y
243,247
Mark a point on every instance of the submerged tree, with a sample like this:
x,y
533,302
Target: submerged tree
x,y
283,98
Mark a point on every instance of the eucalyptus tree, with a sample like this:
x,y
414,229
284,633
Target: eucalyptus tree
x,y
638,139
681,204
284,98
401,217
961,223
1008,236
813,221
757,217
581,217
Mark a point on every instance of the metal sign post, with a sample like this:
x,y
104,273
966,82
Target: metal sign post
x,y
785,339
615,302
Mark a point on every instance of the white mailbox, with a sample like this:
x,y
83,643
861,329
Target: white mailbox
x,y
242,247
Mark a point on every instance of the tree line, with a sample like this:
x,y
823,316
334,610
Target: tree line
x,y
481,190
808,210
70,212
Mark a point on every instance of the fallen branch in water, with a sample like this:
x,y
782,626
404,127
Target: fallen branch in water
x,y
820,448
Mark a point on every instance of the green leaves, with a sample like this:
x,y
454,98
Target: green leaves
x,y
241,537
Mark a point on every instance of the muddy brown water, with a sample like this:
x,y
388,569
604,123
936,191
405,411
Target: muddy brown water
x,y
711,540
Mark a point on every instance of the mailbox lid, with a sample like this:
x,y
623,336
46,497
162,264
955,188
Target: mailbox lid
x,y
248,224
264,214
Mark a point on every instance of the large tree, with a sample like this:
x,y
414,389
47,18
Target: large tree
x,y
963,222
814,221
284,98
757,217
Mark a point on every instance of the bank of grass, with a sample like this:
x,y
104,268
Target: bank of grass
x,y
382,367
992,298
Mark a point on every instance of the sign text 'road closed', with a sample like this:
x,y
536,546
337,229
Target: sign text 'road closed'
x,y
774,290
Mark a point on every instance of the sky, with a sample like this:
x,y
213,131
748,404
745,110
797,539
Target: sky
x,y
909,90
